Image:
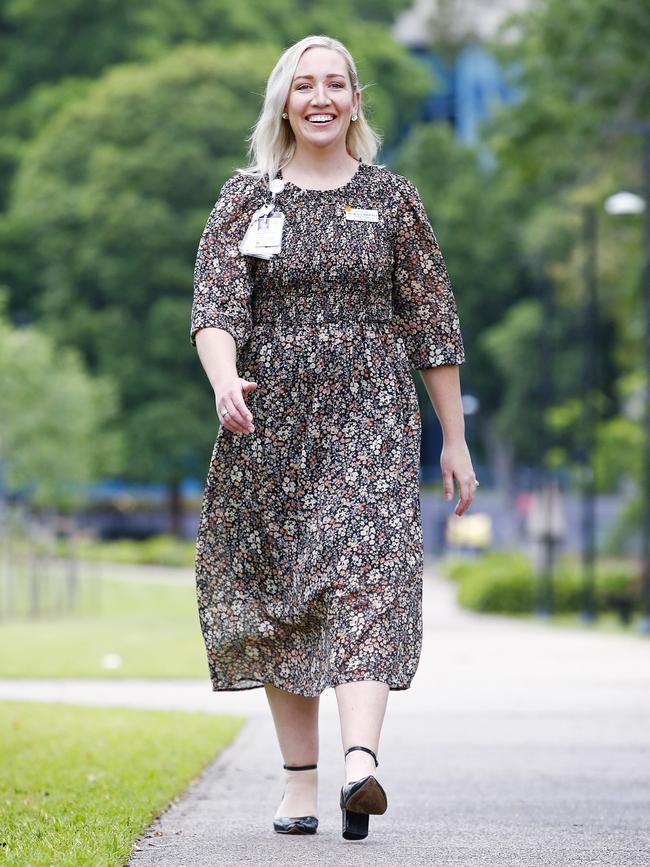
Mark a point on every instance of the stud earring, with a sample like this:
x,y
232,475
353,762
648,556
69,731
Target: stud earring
x,y
354,117
285,115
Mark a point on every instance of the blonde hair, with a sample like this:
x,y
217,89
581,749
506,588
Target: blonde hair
x,y
272,142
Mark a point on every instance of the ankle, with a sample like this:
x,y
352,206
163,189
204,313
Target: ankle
x,y
300,795
299,777
357,765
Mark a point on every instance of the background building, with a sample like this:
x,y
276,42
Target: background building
x,y
449,37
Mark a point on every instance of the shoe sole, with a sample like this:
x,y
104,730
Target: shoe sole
x,y
295,829
369,798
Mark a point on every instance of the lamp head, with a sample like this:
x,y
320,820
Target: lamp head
x,y
624,203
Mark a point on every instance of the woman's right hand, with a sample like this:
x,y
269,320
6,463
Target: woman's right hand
x,y
230,396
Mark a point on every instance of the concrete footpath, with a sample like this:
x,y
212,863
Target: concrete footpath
x,y
517,744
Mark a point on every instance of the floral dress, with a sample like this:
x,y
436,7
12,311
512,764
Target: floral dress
x,y
309,551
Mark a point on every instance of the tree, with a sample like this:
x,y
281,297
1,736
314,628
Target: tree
x,y
476,223
581,65
113,197
52,51
57,423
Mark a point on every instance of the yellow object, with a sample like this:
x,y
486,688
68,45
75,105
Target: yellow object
x,y
469,531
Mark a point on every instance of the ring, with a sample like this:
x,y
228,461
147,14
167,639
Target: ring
x,y
225,412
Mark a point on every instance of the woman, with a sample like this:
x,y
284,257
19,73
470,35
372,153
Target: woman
x,y
309,550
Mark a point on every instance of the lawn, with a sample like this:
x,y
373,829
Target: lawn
x,y
137,629
144,629
79,785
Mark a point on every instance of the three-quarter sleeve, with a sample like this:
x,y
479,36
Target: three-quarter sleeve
x,y
223,277
424,308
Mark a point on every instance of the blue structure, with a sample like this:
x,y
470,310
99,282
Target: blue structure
x,y
466,92
479,86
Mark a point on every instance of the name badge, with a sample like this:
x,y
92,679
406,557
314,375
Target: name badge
x,y
362,215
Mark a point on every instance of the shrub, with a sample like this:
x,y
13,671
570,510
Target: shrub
x,y
509,590
159,550
504,582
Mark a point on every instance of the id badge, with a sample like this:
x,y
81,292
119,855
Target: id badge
x,y
263,237
269,231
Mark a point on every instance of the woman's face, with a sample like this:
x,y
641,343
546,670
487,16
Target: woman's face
x,y
321,101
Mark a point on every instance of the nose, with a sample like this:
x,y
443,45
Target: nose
x,y
321,96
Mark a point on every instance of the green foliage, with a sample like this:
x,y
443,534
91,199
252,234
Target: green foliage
x,y
43,42
499,583
157,550
459,567
513,345
505,583
49,50
563,48
56,421
80,785
618,452
505,592
114,194
581,66
612,580
475,222
394,83
629,523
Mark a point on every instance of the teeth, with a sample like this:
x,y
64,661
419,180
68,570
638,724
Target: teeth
x,y
320,118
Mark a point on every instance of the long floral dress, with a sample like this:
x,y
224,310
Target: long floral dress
x,y
309,551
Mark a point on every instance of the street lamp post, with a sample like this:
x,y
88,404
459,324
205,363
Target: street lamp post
x,y
546,488
589,384
635,205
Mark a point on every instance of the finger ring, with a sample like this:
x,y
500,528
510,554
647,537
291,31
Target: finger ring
x,y
477,482
225,412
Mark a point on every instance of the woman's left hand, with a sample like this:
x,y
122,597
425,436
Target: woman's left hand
x,y
456,463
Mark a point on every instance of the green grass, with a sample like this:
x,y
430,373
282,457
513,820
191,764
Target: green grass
x,y
154,628
79,785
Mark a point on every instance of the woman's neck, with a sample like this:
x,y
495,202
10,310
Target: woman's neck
x,y
319,168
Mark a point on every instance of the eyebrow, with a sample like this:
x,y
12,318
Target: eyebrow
x,y
329,75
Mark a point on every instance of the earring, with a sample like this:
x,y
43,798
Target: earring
x,y
285,115
354,117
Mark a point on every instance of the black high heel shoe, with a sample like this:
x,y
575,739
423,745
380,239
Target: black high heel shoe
x,y
296,824
359,799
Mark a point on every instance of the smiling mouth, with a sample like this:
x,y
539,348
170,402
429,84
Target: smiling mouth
x,y
321,119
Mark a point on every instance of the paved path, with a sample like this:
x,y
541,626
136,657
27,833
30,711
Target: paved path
x,y
518,744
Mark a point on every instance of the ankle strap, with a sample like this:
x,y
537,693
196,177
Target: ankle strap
x,y
299,767
366,750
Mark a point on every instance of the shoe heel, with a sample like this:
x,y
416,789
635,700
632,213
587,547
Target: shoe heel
x,y
355,825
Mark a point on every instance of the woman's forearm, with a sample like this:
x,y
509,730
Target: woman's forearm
x,y
217,352
443,386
